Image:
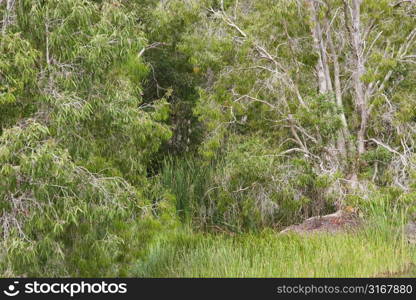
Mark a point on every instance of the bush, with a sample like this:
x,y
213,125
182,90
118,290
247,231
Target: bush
x,y
61,220
250,187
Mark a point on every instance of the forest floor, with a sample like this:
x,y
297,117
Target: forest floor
x,y
370,252
340,221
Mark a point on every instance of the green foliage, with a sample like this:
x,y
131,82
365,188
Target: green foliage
x,y
68,206
17,78
93,88
172,73
379,154
322,115
61,219
249,188
116,117
188,181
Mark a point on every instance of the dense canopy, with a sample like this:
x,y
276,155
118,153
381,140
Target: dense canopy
x,y
122,121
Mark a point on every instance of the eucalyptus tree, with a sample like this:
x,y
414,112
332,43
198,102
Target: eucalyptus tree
x,y
372,53
325,82
76,139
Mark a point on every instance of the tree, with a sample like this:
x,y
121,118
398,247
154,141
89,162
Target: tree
x,y
73,165
315,70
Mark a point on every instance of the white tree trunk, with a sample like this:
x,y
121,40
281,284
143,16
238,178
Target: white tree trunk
x,y
358,72
321,67
7,16
343,139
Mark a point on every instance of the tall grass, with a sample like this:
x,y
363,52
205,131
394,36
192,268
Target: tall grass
x,y
379,248
366,254
188,181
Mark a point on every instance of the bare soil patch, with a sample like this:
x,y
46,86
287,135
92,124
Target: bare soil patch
x,y
337,222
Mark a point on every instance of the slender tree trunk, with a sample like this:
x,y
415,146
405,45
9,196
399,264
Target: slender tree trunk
x,y
6,16
324,76
353,21
322,69
358,72
343,143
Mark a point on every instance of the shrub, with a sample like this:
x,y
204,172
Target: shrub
x,y
60,219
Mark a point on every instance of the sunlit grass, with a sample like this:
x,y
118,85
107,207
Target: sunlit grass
x,y
379,248
367,253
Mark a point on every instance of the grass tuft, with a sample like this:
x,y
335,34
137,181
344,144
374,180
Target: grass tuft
x,y
371,252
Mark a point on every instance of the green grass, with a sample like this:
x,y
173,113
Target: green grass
x,y
188,181
368,253
378,250
411,272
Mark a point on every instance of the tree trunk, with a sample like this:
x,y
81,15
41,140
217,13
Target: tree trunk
x,y
322,69
343,143
324,75
6,16
358,72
